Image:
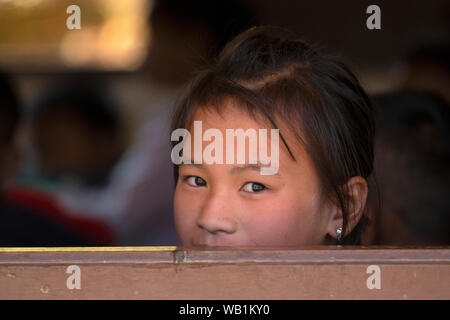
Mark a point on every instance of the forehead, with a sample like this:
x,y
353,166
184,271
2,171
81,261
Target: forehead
x,y
231,115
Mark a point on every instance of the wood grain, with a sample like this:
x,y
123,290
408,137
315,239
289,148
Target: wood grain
x,y
250,273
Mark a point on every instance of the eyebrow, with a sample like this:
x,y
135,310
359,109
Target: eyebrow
x,y
197,165
235,169
252,167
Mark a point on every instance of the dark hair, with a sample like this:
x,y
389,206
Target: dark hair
x,y
412,155
270,71
10,112
94,109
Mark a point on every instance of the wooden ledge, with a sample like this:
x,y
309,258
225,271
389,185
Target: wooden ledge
x,y
179,255
249,273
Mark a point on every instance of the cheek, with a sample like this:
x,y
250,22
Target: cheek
x,y
284,220
185,211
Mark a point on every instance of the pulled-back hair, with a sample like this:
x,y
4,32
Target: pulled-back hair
x,y
269,71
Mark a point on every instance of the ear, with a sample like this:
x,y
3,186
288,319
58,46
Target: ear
x,y
355,190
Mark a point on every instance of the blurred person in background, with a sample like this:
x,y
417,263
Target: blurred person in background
x,y
10,114
75,135
412,156
74,143
20,223
428,68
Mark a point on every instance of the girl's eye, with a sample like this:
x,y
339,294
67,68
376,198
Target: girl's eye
x,y
195,181
253,187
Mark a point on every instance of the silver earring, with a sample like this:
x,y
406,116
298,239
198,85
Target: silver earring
x,y
339,234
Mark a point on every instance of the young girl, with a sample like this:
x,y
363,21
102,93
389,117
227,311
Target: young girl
x,y
267,79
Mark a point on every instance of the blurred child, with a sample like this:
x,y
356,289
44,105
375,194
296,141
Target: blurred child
x,y
10,115
412,156
75,134
265,79
22,224
428,69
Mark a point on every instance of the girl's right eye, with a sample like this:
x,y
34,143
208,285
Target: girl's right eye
x,y
195,181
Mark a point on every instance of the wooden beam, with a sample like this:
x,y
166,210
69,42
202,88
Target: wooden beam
x,y
178,273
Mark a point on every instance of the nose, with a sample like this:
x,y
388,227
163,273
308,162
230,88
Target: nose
x,y
217,216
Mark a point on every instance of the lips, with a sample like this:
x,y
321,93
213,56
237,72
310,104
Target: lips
x,y
213,242
202,244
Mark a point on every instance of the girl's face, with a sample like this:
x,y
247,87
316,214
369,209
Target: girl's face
x,y
234,205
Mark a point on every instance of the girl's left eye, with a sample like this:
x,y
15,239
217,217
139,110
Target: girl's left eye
x,y
253,187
